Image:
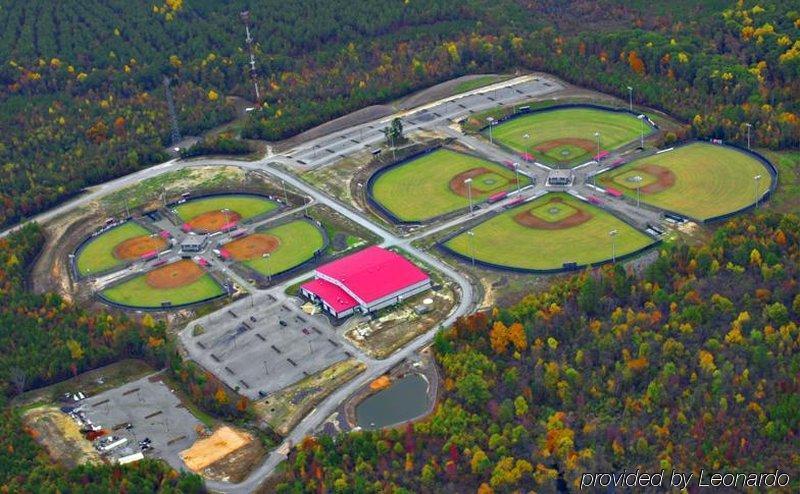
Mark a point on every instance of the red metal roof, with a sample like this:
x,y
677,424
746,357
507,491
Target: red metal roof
x,y
374,273
334,296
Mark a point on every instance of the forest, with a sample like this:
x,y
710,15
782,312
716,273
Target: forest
x,y
692,363
82,98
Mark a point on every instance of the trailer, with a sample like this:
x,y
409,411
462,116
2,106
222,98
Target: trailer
x,y
238,233
149,255
514,202
499,196
113,445
124,460
613,192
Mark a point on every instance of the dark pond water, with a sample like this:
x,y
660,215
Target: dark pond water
x,y
403,400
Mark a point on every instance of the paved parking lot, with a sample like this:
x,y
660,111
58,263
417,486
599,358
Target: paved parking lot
x,y
264,348
155,413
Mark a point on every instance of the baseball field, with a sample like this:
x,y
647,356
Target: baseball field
x,y
433,184
181,282
113,248
288,245
566,137
700,180
548,232
209,214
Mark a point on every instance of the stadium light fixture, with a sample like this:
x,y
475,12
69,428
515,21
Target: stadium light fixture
x,y
613,234
638,180
516,172
491,124
469,193
471,236
597,157
225,212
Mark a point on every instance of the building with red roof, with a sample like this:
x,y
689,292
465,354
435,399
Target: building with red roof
x,y
366,281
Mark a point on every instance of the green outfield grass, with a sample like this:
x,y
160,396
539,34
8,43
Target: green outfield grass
x,y
710,180
137,293
298,242
247,206
97,256
502,241
616,129
420,189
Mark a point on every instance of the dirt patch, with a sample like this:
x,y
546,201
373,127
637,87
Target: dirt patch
x,y
205,452
175,275
252,246
664,178
526,218
212,221
135,247
584,144
61,437
457,184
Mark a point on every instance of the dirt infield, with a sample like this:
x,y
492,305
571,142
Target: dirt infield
x,y
133,248
584,144
175,275
252,246
530,220
221,443
457,184
664,178
212,221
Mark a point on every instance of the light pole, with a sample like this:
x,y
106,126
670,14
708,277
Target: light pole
x,y
471,236
748,135
266,266
613,234
630,98
225,211
755,189
469,193
527,138
285,195
641,120
516,172
638,180
491,123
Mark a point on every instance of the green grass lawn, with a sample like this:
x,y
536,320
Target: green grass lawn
x,y
298,242
247,206
710,180
616,129
137,293
420,189
97,256
501,240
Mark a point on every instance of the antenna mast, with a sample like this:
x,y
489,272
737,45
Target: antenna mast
x,y
175,134
245,16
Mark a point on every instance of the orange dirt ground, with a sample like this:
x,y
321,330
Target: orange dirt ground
x,y
212,221
222,442
252,246
584,144
665,178
457,184
133,248
177,274
526,218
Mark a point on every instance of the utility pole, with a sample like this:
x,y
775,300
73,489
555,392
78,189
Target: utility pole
x,y
613,234
630,98
285,195
175,133
516,172
748,135
491,124
469,193
245,16
471,236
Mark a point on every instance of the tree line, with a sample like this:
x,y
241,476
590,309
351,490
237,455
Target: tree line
x,y
690,364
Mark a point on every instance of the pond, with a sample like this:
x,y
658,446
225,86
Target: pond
x,y
404,400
